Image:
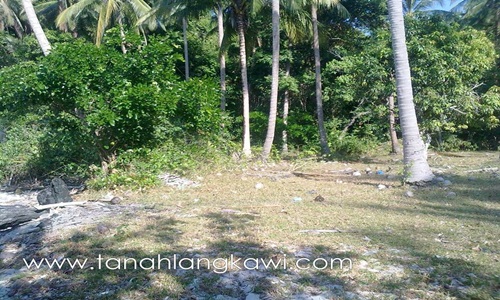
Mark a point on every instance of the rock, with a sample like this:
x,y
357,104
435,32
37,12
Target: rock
x,y
451,195
102,228
259,186
381,187
57,192
446,183
13,215
370,252
356,173
409,194
224,297
252,296
116,200
319,198
296,199
439,179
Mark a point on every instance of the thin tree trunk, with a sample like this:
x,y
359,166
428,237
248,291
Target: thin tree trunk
x,y
414,150
186,53
271,126
286,107
244,81
395,149
2,26
18,28
122,35
36,27
222,58
319,97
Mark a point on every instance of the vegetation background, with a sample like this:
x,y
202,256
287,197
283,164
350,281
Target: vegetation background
x,y
131,89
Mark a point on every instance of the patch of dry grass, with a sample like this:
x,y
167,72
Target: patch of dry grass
x,y
429,246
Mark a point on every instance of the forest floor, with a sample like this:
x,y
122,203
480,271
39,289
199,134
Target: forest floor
x,y
441,241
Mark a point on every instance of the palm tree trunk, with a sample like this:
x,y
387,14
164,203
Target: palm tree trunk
x,y
271,126
186,53
319,97
18,28
414,150
222,57
36,27
122,35
392,127
244,81
286,107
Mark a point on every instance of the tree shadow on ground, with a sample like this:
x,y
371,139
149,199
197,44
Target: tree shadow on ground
x,y
117,265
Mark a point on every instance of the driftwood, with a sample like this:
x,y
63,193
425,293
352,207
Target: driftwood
x,y
13,215
482,170
61,204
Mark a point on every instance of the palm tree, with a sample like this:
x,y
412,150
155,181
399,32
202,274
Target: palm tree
x,y
412,6
323,140
9,16
36,27
105,10
222,55
239,12
275,80
414,150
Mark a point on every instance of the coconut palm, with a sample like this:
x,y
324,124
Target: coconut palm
x,y
317,64
10,11
36,27
414,150
412,6
105,11
275,80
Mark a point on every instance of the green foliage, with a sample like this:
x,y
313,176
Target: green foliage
x,y
448,66
101,105
139,168
18,148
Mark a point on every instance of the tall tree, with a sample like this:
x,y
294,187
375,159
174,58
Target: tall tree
x,y
323,140
239,10
414,150
36,27
275,81
222,55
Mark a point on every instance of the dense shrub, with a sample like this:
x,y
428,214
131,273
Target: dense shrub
x,y
100,105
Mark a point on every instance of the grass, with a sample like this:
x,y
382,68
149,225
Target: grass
x,y
429,246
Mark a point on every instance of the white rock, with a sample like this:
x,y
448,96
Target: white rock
x,y
259,186
409,194
356,173
252,296
381,187
451,195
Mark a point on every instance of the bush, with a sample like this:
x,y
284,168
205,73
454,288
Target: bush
x,y
99,106
19,147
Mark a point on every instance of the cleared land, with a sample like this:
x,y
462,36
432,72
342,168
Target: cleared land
x,y
437,242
